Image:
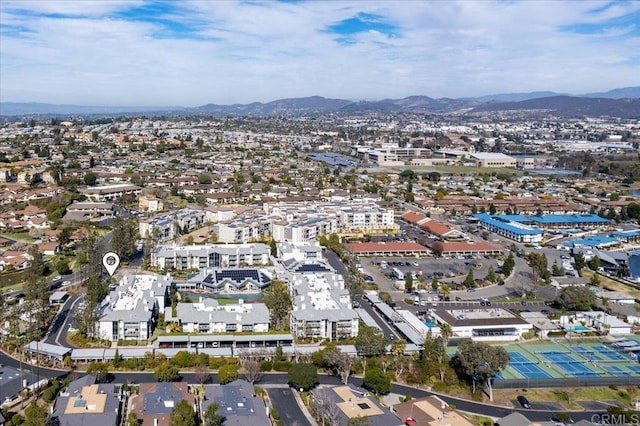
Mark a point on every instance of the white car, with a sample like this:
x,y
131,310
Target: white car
x,y
66,283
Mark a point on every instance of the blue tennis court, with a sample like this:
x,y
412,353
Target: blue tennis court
x,y
617,371
587,354
569,364
526,367
634,367
611,353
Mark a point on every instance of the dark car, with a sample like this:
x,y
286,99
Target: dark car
x,y
524,402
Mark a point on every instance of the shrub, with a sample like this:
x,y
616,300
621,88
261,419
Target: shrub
x,y
275,413
227,374
266,366
282,366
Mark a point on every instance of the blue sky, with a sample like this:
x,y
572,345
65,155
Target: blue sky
x,y
189,53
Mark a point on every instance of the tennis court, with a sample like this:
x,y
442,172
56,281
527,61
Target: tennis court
x,y
589,355
635,368
617,371
526,367
569,364
611,353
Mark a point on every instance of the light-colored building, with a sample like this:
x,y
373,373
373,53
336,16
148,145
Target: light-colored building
x,y
150,204
207,316
130,311
210,256
490,324
493,159
110,192
321,306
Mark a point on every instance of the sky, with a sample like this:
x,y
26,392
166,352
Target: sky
x,y
191,53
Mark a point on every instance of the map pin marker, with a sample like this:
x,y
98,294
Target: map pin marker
x,y
111,261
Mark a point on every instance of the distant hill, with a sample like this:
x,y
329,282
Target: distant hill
x,y
514,97
33,108
618,102
313,105
570,106
626,92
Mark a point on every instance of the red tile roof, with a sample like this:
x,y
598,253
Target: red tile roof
x,y
388,246
435,228
413,217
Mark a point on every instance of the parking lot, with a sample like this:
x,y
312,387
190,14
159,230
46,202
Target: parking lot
x,y
448,271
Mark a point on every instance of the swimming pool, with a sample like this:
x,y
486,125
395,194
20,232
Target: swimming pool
x,y
574,328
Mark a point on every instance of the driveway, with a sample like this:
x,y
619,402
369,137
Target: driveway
x,y
284,401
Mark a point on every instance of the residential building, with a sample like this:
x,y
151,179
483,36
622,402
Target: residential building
x,y
321,305
210,256
207,316
110,192
131,310
229,281
238,404
155,401
87,403
150,204
429,411
348,402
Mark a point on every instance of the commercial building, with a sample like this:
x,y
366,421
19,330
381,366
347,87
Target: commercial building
x,y
514,230
210,256
493,159
464,248
207,316
131,310
495,324
403,249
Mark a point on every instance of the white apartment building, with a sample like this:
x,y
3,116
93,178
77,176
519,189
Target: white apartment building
x,y
110,192
210,256
321,306
207,316
130,311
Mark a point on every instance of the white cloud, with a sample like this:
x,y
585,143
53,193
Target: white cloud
x,y
243,52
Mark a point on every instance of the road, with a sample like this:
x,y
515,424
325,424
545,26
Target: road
x,y
281,378
62,322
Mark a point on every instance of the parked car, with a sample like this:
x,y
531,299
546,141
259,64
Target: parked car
x,y
524,402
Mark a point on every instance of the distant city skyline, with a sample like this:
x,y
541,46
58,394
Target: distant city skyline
x,y
190,53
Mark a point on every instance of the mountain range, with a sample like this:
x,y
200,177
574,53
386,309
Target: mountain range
x,y
623,103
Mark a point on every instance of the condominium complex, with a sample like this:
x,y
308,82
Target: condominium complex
x,y
209,256
207,316
131,310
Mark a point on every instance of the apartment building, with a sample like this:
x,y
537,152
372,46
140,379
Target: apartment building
x,y
207,316
210,256
130,311
110,192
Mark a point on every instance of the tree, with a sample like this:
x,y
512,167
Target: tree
x,y
341,363
35,416
182,414
434,283
408,283
358,421
99,369
125,234
491,275
166,372
594,263
202,374
469,281
575,298
580,261
252,366
62,267
211,416
377,381
556,271
90,179
480,361
508,265
302,376
227,374
370,341
278,300
132,419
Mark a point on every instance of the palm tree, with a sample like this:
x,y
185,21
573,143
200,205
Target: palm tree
x,y
446,332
